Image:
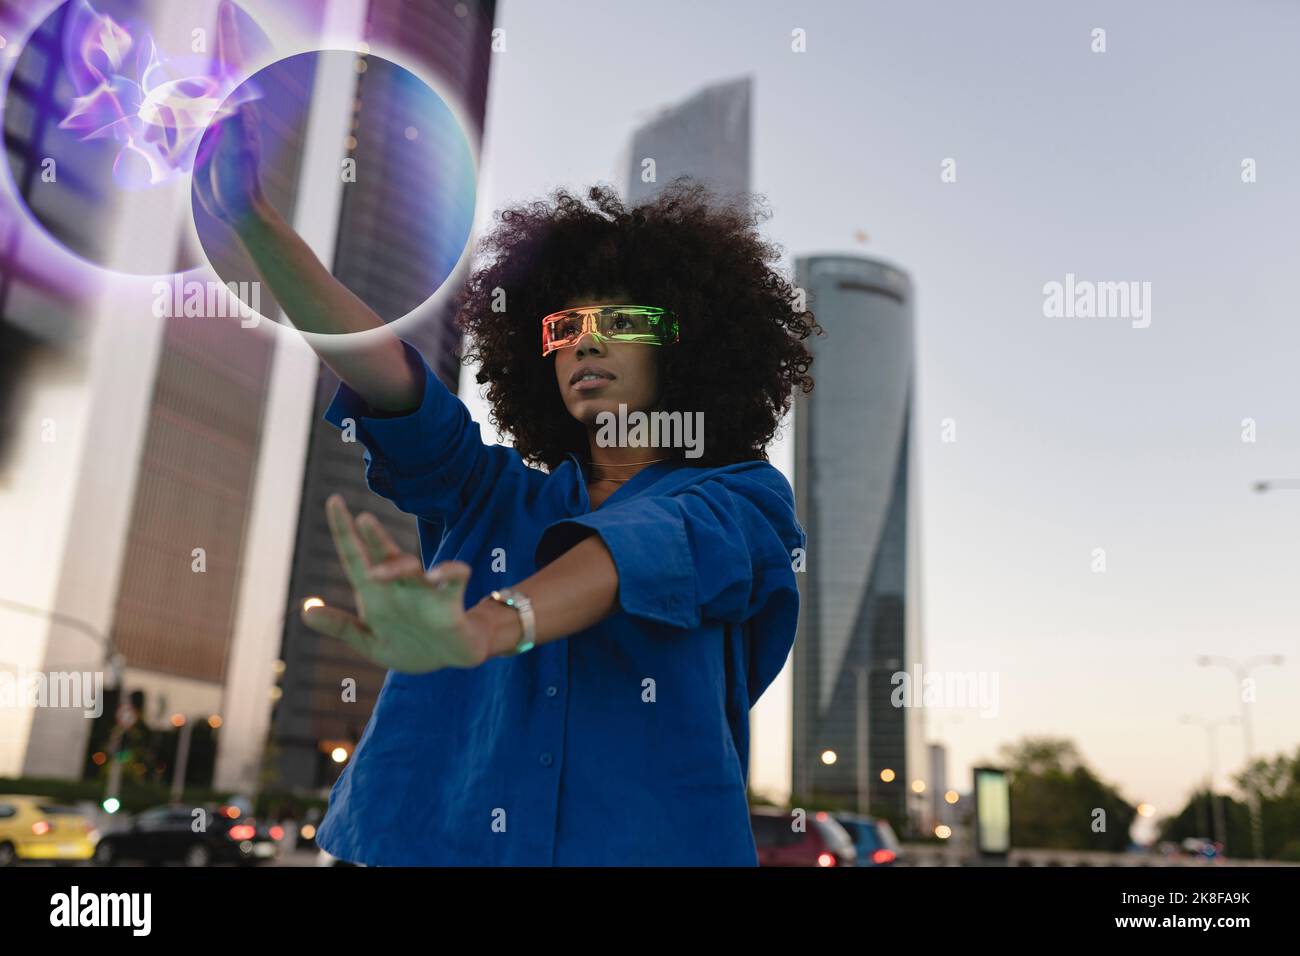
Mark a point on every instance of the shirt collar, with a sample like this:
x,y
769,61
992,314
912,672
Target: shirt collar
x,y
582,499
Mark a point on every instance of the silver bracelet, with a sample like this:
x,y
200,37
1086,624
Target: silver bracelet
x,y
520,602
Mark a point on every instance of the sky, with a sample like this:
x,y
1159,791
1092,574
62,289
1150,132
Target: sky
x,y
1072,434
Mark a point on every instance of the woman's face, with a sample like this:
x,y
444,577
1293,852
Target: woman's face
x,y
624,373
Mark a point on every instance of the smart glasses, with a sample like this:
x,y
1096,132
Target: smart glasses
x,y
645,324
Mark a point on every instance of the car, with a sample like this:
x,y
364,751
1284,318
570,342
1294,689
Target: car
x,y
800,838
167,834
38,828
873,838
1202,847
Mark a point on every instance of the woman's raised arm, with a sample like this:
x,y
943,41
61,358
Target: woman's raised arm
x,y
229,187
315,301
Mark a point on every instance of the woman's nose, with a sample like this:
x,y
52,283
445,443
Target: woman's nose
x,y
588,344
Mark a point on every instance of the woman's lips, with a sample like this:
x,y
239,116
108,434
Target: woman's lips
x,y
590,384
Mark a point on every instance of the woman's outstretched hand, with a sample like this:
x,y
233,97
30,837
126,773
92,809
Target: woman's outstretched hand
x,y
408,620
226,179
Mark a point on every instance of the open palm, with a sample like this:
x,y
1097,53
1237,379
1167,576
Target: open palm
x,y
407,620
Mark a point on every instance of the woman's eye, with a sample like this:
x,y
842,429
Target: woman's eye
x,y
622,323
568,329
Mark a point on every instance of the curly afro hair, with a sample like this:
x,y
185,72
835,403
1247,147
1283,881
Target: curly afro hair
x,y
740,353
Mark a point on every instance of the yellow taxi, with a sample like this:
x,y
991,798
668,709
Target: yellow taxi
x,y
37,828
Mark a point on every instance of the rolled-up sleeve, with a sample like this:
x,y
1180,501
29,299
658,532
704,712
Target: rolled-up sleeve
x,y
426,461
720,549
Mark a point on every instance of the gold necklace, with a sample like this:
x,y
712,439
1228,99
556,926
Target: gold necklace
x,y
621,464
624,464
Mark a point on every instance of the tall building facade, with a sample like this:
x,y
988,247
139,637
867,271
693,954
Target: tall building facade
x,y
852,482
706,136
149,438
373,257
168,478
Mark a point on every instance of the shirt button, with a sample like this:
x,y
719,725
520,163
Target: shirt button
x,y
551,691
546,760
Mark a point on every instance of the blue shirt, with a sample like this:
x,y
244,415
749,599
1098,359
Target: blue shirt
x,y
624,744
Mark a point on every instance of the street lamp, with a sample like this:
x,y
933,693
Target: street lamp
x,y
116,670
1220,831
250,781
116,662
1241,670
186,726
863,774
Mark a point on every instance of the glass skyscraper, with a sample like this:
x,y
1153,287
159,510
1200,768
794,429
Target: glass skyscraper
x,y
852,443
373,258
705,137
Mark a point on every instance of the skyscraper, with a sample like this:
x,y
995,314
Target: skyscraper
x,y
372,257
852,443
149,456
706,136
161,515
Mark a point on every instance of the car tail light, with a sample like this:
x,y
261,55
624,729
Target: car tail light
x,y
883,856
242,831
41,827
826,859
277,832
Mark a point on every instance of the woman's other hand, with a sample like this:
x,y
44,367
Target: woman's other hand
x,y
407,620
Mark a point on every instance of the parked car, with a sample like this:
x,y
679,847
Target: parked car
x,y
873,838
167,834
37,828
1202,847
787,838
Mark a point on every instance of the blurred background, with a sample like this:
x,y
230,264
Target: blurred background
x,y
1049,598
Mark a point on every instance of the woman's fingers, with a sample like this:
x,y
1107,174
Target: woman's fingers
x,y
346,542
379,546
449,574
252,130
384,536
230,55
334,622
210,144
399,566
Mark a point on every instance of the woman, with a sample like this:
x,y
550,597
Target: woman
x,y
570,680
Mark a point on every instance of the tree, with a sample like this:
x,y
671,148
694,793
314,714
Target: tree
x,y
1278,783
1058,803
